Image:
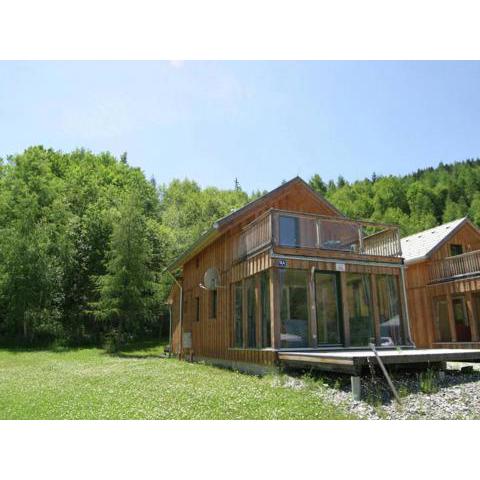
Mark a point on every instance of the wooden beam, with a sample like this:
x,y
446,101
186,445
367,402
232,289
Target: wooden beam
x,y
244,315
346,316
404,317
472,315
313,309
258,312
376,313
451,318
274,308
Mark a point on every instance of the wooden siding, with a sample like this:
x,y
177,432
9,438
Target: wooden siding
x,y
421,291
213,337
467,236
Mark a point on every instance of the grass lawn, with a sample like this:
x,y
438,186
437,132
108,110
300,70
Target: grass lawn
x,y
137,384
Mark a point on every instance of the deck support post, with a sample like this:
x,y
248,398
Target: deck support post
x,y
356,388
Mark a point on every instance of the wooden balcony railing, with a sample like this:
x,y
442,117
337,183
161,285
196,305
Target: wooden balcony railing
x,y
291,229
255,236
458,266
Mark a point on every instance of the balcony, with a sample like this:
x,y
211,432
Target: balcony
x,y
458,266
317,235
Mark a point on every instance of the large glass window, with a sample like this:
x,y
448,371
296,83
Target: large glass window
x,y
293,308
442,325
462,326
265,306
389,310
360,309
238,314
251,312
289,231
327,306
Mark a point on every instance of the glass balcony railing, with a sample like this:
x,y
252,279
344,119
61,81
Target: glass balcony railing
x,y
314,232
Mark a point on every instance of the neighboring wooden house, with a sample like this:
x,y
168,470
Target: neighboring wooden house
x,y
443,285
293,275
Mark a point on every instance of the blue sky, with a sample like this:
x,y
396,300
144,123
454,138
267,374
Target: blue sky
x,y
258,121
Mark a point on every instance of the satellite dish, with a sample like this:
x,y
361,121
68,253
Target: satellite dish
x,y
211,279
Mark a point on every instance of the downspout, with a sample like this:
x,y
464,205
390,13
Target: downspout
x,y
170,330
180,310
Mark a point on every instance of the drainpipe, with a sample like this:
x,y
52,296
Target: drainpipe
x,y
180,310
170,329
407,317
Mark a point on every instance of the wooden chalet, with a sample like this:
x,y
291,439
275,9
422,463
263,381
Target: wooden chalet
x,y
443,285
297,283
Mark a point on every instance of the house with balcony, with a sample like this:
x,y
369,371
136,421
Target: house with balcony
x,y
443,285
288,279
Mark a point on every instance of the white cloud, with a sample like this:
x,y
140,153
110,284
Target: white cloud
x,y
176,63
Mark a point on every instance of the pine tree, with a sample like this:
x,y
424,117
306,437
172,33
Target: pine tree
x,y
318,184
126,291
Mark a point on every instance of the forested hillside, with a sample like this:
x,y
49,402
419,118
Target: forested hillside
x,y
416,202
85,238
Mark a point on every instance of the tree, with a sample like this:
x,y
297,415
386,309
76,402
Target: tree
x,y
453,211
128,288
318,184
474,211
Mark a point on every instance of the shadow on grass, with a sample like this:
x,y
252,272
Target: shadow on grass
x,y
17,349
142,350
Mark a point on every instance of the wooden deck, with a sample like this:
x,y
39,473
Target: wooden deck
x,y
356,361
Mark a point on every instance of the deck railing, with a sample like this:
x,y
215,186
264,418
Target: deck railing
x,y
291,229
255,236
463,265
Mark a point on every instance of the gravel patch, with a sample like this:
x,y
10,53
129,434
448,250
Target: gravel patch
x,y
425,395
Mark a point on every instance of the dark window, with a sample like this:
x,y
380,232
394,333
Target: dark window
x,y
238,314
197,309
289,231
456,249
251,312
213,303
265,306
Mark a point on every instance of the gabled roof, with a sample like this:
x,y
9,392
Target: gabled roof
x,y
420,246
253,204
223,223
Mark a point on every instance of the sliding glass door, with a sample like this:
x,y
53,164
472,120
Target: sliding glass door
x,y
327,298
293,308
389,310
442,324
462,325
359,300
